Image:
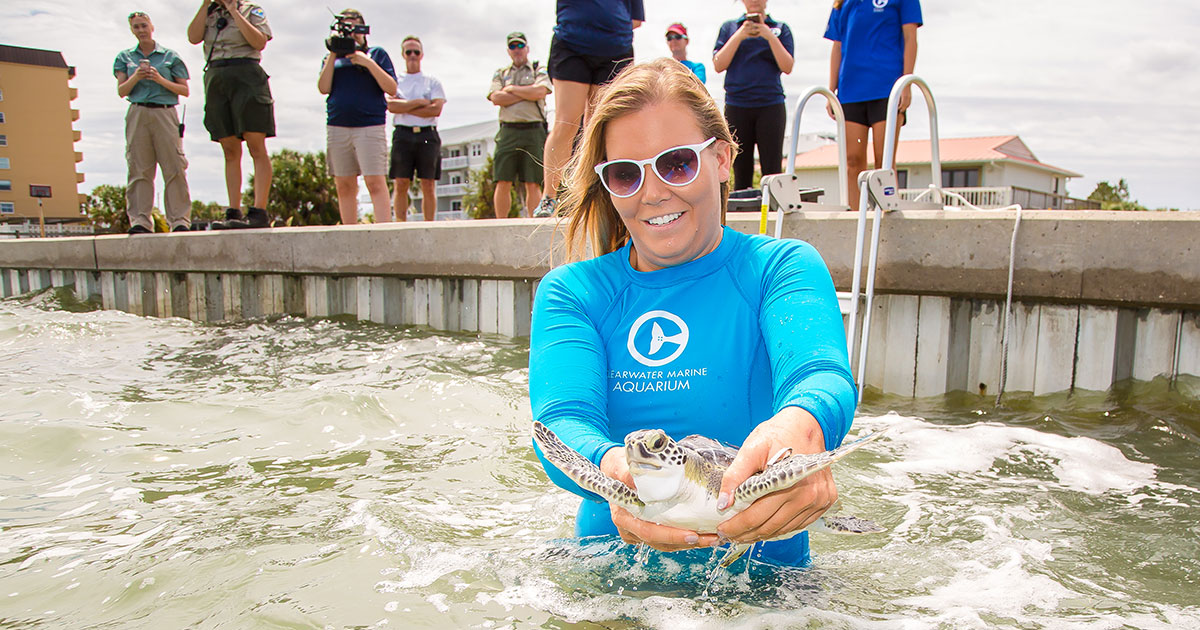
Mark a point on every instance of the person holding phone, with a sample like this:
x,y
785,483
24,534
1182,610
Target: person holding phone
x,y
755,50
874,44
153,78
238,106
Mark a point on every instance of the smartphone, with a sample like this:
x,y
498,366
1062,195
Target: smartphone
x,y
755,17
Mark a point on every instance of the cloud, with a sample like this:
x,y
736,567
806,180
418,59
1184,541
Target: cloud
x,y
1104,88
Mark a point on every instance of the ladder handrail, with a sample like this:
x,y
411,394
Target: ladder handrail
x,y
840,117
893,115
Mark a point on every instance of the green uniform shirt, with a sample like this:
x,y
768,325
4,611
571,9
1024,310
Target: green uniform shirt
x,y
229,43
525,111
168,64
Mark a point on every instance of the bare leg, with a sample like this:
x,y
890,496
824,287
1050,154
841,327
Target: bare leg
x,y
377,188
232,148
429,198
347,194
878,135
256,143
400,198
856,157
533,192
502,200
570,102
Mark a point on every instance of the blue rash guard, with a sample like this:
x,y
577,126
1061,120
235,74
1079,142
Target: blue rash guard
x,y
713,346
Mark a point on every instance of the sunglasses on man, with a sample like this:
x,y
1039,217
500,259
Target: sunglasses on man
x,y
674,36
677,166
516,45
412,52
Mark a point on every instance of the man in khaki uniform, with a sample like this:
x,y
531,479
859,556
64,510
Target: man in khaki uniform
x,y
520,91
238,106
153,78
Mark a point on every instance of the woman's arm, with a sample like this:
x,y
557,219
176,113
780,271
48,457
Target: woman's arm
x,y
723,57
783,58
910,61
256,38
195,29
325,79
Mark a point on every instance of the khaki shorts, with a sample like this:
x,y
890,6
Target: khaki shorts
x,y
353,151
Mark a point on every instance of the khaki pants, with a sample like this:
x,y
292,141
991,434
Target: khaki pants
x,y
152,140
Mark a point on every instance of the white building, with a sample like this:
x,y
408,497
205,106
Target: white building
x,y
992,171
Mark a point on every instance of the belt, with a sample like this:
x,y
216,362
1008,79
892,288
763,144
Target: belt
x,y
521,125
417,129
153,105
238,61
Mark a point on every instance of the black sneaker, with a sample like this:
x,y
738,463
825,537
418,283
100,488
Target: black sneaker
x,y
137,229
231,215
180,228
255,218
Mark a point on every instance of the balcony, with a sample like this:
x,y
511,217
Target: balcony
x,y
451,190
78,156
451,163
74,115
79,178
74,92
77,134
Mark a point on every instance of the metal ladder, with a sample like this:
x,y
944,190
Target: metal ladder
x,y
878,189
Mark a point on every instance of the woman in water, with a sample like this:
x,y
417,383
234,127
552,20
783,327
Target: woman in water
x,y
680,323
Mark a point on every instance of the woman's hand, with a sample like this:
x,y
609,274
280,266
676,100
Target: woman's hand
x,y
749,28
788,510
634,530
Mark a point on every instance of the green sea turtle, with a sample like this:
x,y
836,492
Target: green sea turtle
x,y
678,482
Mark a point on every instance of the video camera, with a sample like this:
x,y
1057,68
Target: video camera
x,y
342,43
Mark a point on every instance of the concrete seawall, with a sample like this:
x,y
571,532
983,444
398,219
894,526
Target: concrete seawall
x,y
1099,296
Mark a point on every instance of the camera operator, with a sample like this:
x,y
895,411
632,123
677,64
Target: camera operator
x,y
357,83
237,98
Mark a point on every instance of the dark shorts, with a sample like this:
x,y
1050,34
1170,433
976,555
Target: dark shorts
x,y
567,65
518,154
420,152
237,99
867,113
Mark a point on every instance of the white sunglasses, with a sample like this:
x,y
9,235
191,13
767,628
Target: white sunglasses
x,y
677,166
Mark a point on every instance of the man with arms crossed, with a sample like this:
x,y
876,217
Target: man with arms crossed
x,y
153,78
356,124
520,91
416,145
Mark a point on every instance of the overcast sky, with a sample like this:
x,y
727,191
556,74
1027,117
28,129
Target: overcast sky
x,y
1104,88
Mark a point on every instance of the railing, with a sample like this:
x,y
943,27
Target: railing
x,y
460,161
1001,196
451,190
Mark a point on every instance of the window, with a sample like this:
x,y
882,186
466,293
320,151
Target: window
x,y
3,140
456,206
4,165
455,179
902,179
960,178
1,117
455,153
476,150
1,95
5,184
7,207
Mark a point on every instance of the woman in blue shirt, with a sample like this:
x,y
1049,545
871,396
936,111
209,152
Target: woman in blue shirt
x,y
874,44
755,49
682,324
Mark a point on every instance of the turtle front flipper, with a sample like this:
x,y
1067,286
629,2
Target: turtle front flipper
x,y
792,470
736,550
852,525
583,472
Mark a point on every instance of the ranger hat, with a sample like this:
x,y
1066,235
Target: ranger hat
x,y
516,36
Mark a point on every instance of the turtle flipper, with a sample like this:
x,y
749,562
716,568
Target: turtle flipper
x,y
736,550
792,470
844,525
583,472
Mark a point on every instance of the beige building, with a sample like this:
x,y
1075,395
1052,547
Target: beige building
x,y
37,140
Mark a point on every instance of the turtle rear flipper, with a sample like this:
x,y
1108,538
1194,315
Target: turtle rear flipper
x,y
852,525
792,470
583,472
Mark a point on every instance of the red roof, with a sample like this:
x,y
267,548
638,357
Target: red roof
x,y
950,150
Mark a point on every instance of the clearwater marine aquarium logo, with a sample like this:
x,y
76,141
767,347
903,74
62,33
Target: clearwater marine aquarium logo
x,y
880,4
674,335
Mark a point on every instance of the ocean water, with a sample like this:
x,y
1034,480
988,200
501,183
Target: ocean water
x,y
158,473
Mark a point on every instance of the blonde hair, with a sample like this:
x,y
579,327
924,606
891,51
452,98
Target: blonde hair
x,y
837,4
593,222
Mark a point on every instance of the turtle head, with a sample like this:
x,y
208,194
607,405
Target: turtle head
x,y
656,463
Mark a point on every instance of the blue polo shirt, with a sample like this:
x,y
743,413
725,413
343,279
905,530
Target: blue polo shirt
x,y
603,28
355,99
753,77
872,45
168,64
